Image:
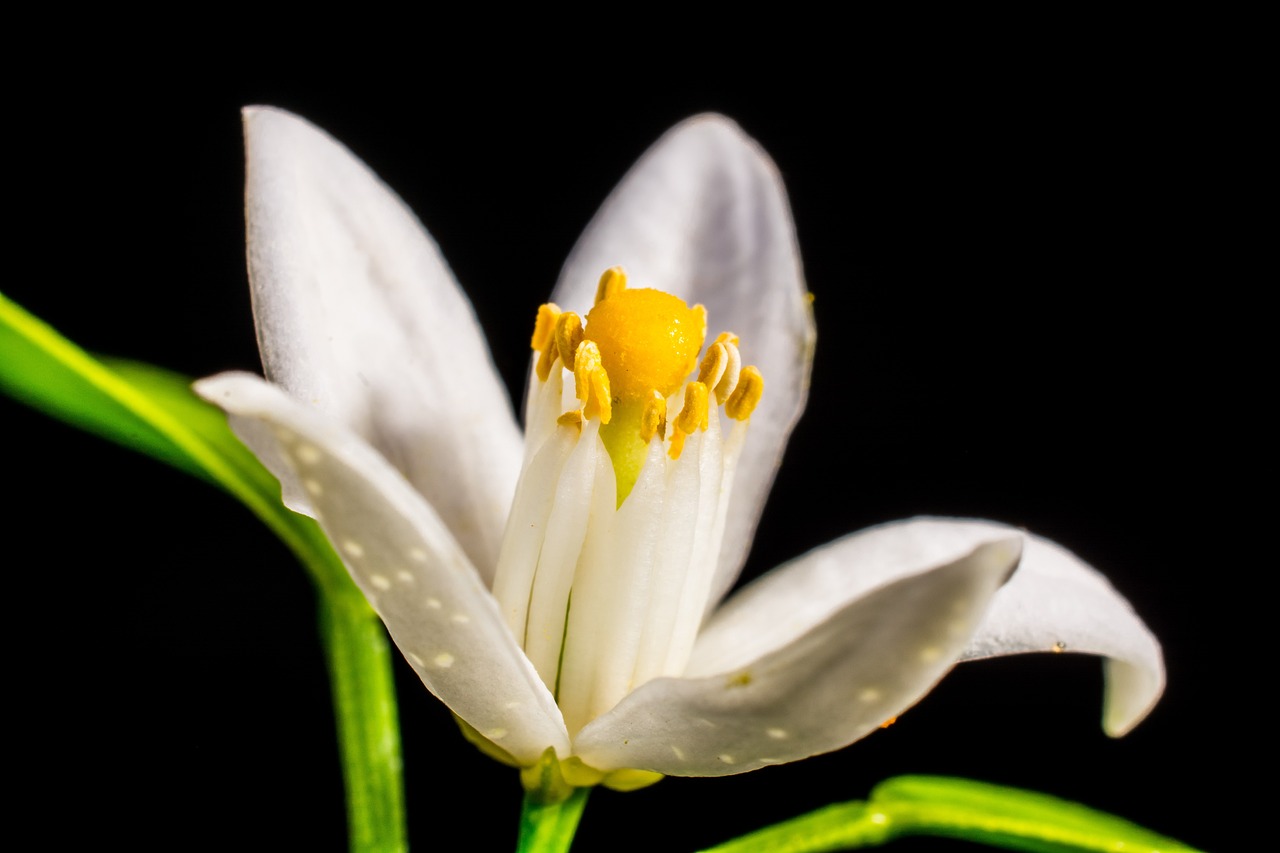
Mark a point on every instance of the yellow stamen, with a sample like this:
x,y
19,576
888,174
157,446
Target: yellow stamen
x,y
744,399
613,280
571,419
545,325
713,365
591,382
568,335
547,359
729,381
694,416
728,338
654,420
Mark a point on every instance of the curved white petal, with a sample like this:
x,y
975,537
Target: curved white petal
x,y
833,683
1055,602
404,560
786,602
704,215
358,316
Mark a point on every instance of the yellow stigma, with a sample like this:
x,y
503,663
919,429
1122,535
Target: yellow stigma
x,y
648,343
649,340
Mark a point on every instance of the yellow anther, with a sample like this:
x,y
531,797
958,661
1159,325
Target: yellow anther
x,y
571,419
728,338
545,325
694,414
744,399
591,382
613,280
648,340
729,381
713,365
700,311
547,359
654,420
568,336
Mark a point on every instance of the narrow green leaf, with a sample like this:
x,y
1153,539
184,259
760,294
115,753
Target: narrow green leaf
x,y
155,412
945,807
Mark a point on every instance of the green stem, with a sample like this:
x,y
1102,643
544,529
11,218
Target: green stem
x,y
364,701
549,828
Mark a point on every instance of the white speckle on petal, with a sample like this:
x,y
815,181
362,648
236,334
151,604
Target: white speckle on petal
x,y
726,758
416,659
496,734
869,694
460,618
929,654
512,705
309,454
679,752
313,487
283,435
352,548
380,582
404,577
433,603
776,734
769,760
417,555
444,660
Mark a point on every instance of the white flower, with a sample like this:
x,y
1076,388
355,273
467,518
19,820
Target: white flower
x,y
385,420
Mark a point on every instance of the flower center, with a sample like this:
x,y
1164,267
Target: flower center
x,y
613,540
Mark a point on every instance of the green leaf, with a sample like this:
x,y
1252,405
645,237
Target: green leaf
x,y
946,807
155,412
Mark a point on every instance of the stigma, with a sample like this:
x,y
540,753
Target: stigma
x,y
633,431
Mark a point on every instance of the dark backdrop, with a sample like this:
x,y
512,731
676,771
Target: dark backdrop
x,y
993,251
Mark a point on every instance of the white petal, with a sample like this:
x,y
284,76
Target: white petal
x,y
783,604
404,560
1055,602
358,315
704,215
835,682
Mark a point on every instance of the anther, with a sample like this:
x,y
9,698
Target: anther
x,y
728,338
568,336
744,399
654,420
591,382
613,280
693,416
713,365
547,359
729,381
544,326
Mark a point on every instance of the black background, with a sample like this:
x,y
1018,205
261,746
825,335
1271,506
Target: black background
x,y
999,247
